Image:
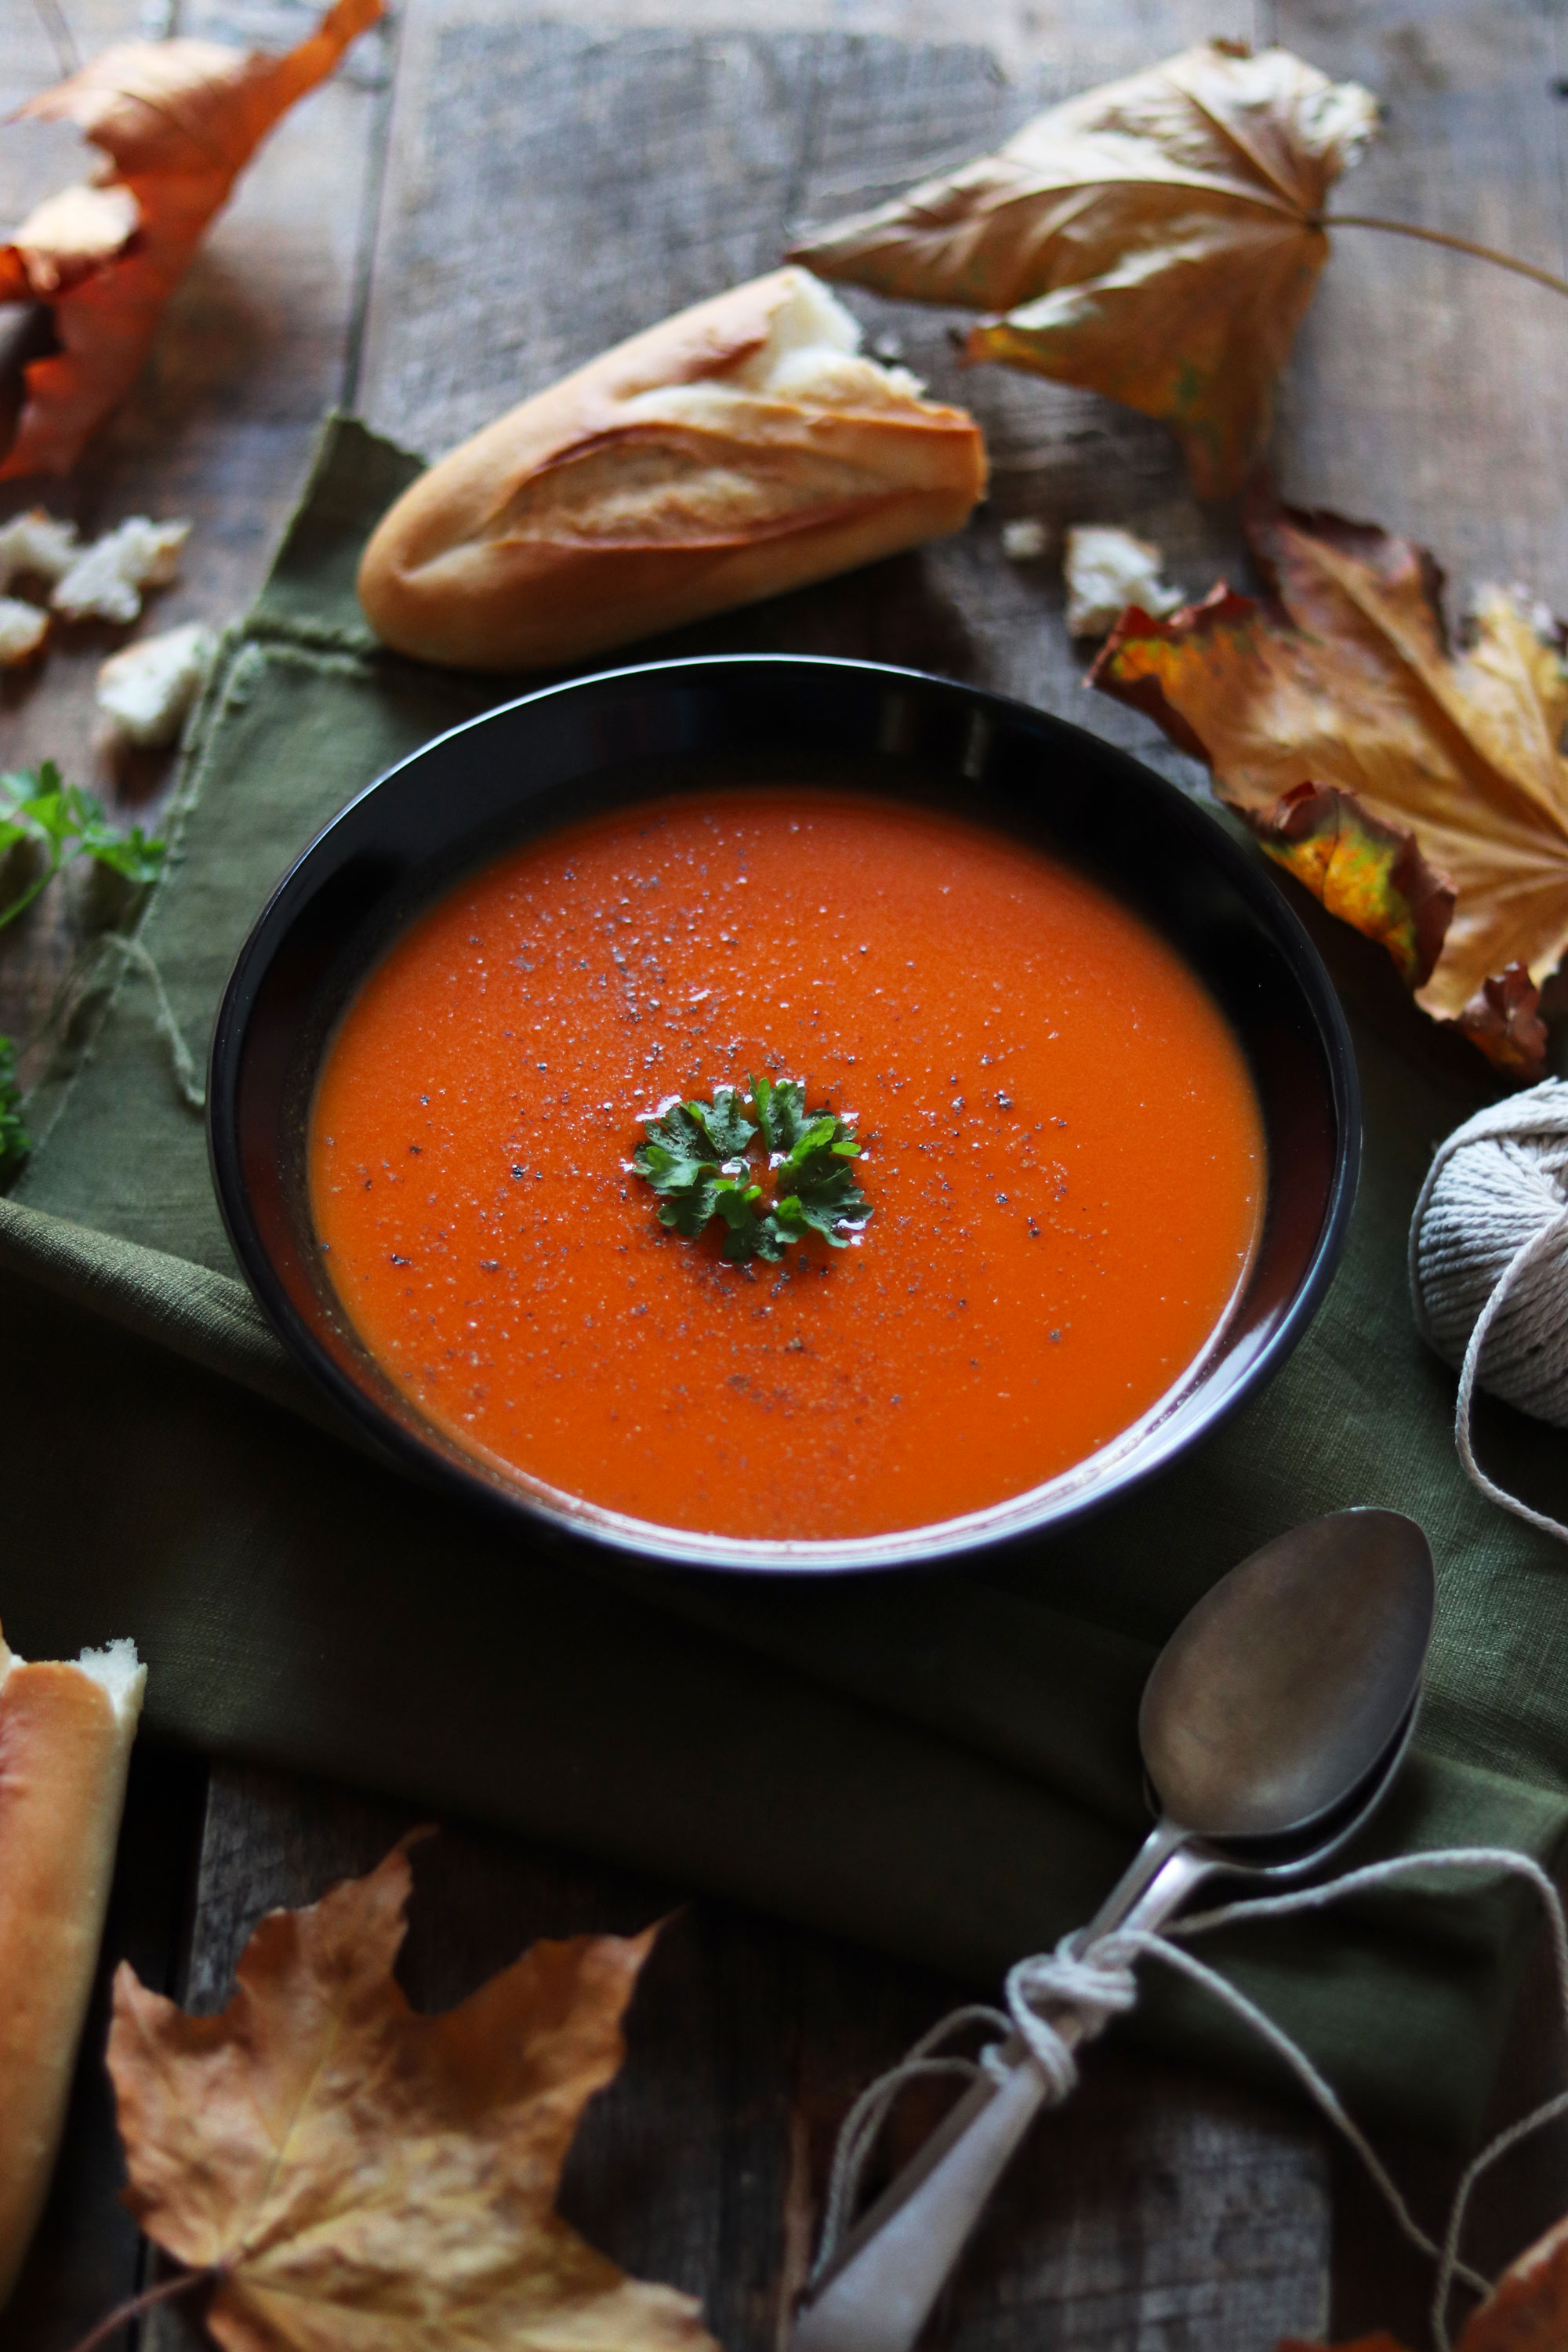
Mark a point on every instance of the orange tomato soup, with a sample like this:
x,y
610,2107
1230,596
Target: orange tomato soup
x,y
1060,1140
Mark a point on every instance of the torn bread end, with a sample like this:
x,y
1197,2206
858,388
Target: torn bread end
x,y
122,1674
66,1730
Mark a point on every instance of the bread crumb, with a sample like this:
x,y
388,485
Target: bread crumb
x,y
34,546
1107,570
106,580
23,628
147,688
1025,541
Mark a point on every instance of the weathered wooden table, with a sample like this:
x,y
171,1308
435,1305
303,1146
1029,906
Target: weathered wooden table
x,y
489,192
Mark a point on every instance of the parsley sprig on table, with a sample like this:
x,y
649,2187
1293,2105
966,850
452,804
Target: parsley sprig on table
x,y
60,823
695,1160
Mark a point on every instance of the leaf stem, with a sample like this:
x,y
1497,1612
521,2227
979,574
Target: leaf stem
x,y
1456,243
164,2292
34,889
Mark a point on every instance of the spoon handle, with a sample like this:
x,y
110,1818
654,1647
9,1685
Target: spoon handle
x,y
876,2294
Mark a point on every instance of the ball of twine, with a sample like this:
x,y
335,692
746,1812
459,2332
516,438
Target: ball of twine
x,y
1488,1267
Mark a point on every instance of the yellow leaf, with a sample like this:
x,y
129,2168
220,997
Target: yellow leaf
x,y
177,121
1370,875
359,2175
1344,679
1157,239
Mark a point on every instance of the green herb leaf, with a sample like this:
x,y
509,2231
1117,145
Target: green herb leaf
x,y
15,1142
63,822
694,1158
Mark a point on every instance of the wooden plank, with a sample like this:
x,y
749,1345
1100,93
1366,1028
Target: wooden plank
x,y
1161,2210
1430,390
254,346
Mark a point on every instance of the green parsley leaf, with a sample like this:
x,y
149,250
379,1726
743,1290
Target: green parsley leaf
x,y
695,1160
62,822
15,1142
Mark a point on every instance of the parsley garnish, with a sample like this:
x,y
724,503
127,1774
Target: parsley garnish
x,y
65,822
59,822
695,1160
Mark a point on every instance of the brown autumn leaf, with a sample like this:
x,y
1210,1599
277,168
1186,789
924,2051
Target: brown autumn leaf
x,y
359,2174
1157,239
176,121
1527,2311
1444,765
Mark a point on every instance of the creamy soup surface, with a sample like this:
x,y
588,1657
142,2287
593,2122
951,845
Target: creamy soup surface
x,y
1061,1144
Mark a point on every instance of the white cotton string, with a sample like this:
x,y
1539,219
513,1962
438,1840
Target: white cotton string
x,y
187,1076
1386,1874
84,975
1097,1984
861,2127
1488,1268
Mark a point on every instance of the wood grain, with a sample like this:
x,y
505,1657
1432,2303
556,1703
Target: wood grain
x,y
1430,390
1161,2210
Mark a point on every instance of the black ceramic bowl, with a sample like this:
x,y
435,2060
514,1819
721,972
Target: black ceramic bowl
x,y
604,741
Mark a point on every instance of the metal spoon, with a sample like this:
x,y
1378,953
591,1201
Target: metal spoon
x,y
1271,1726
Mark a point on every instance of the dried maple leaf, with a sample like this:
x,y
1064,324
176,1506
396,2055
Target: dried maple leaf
x,y
1157,239
176,121
357,2174
1439,822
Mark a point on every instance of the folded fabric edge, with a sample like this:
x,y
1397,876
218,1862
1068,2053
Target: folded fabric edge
x,y
209,1319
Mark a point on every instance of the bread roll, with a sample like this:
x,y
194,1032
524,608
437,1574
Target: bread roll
x,y
65,1743
741,447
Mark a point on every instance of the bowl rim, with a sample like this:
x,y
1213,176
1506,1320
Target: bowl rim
x,y
1129,1462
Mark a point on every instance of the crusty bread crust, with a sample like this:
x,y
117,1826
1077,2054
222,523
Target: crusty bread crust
x,y
65,1742
668,480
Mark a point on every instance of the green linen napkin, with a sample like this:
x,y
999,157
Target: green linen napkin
x,y
943,1766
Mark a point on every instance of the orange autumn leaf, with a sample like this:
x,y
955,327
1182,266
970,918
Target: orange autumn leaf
x,y
1157,239
355,2173
1444,765
176,121
1527,2311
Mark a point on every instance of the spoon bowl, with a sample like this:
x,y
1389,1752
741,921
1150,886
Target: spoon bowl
x,y
1282,1690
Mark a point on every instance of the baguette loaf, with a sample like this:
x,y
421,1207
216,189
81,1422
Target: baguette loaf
x,y
741,447
65,1743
